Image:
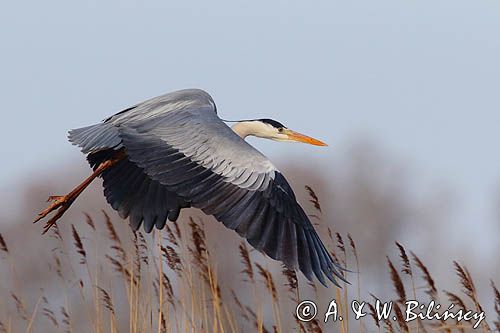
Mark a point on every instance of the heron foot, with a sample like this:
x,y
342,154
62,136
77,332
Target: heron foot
x,y
63,202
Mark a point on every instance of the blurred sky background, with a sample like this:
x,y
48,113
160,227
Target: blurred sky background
x,y
419,78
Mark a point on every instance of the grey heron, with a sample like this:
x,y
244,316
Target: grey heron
x,y
173,152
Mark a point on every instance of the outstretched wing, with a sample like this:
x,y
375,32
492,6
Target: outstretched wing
x,y
182,145
194,154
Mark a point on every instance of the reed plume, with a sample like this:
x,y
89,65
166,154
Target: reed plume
x,y
172,258
106,300
170,235
21,309
48,312
469,289
397,282
455,299
496,306
66,320
431,285
400,319
79,245
405,260
113,235
89,221
268,281
292,281
373,314
247,263
313,198
3,245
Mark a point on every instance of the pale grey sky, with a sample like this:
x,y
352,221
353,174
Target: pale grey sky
x,y
420,77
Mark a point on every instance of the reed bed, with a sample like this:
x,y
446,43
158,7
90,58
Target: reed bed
x,y
110,279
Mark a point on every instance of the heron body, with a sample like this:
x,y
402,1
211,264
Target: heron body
x,y
173,151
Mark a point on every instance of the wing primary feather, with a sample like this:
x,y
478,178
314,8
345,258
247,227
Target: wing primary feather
x,y
325,267
173,214
126,202
246,214
232,216
268,229
257,215
161,201
203,197
334,267
115,190
150,210
315,259
226,198
289,251
304,257
256,228
136,215
271,247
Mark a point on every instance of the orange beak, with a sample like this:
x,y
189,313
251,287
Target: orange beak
x,y
298,137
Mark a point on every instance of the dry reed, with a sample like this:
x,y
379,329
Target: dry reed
x,y
174,286
3,245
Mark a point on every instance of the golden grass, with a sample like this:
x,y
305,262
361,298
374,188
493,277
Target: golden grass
x,y
170,283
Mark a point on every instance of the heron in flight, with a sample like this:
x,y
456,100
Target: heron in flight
x,y
173,151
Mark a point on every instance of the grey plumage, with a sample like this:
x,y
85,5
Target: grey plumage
x,y
179,154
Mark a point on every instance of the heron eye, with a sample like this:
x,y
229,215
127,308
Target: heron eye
x,y
280,129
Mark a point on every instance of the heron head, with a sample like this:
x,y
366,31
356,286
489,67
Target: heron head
x,y
274,130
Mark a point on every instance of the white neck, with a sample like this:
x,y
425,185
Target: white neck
x,y
256,128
